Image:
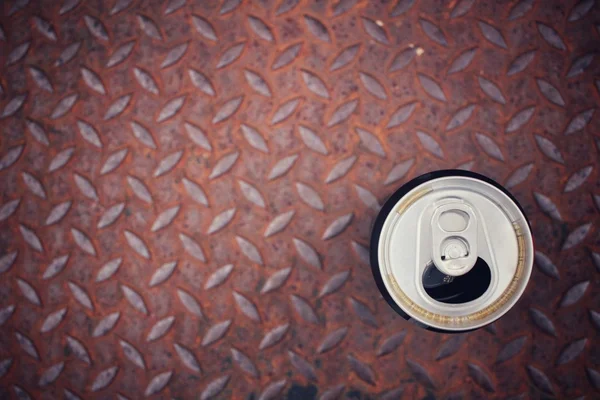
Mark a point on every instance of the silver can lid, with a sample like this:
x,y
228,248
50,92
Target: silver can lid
x,y
455,223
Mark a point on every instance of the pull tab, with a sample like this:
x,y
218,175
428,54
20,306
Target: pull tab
x,y
454,237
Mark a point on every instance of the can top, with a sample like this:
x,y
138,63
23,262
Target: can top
x,y
448,238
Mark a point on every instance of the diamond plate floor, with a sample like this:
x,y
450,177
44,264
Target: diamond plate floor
x,y
188,189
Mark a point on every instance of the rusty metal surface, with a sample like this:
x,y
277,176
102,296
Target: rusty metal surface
x,y
188,189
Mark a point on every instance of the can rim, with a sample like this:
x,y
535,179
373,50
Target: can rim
x,y
387,208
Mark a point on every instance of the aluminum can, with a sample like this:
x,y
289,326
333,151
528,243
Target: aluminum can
x,y
451,250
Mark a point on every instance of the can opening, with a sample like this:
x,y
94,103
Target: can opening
x,y
457,289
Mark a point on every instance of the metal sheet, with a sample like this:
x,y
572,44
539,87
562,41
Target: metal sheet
x,y
188,189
